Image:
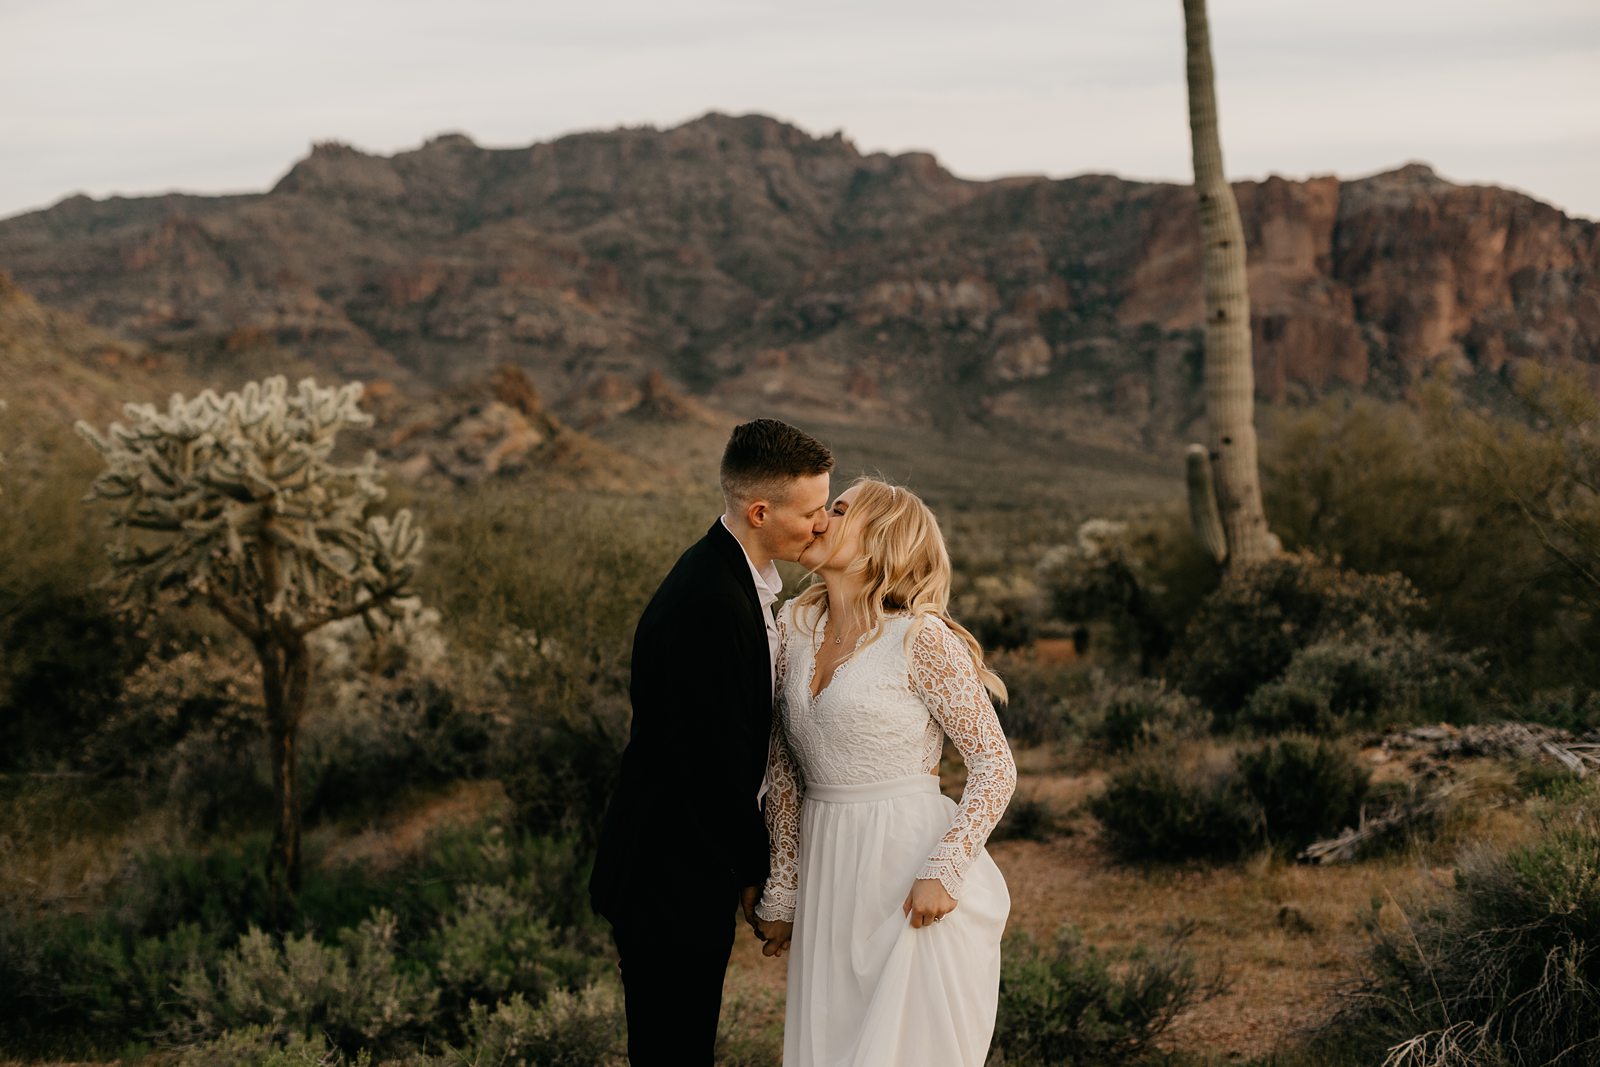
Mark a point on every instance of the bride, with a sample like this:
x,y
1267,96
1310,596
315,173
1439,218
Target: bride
x,y
880,883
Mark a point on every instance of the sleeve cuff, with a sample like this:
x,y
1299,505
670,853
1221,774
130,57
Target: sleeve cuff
x,y
776,906
945,870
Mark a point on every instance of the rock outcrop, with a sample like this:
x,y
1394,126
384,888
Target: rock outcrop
x,y
745,260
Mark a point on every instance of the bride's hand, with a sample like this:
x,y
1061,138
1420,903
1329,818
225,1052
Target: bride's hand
x,y
775,935
928,902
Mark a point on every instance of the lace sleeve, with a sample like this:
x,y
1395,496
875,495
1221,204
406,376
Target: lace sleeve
x,y
782,812
943,674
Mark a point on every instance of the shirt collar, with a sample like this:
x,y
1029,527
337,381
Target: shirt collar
x,y
768,583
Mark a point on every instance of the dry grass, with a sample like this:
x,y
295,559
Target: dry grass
x,y
63,841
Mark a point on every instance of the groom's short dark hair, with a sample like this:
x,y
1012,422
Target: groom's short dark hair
x,y
764,454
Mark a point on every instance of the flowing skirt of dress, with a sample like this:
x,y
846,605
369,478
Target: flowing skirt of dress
x,y
865,989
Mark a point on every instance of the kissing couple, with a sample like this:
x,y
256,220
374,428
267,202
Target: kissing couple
x,y
786,765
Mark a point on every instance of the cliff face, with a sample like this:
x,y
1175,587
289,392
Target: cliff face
x,y
744,259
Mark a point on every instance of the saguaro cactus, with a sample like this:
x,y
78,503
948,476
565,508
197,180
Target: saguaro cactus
x,y
1229,376
233,502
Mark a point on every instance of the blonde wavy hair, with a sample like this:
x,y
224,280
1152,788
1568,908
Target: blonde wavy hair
x,y
904,566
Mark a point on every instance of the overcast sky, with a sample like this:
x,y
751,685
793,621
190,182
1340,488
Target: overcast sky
x,y
143,96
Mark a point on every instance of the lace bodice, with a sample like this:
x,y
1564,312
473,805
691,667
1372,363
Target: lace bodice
x,y
884,714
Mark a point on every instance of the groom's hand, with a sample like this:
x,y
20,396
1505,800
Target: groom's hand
x,y
775,935
747,904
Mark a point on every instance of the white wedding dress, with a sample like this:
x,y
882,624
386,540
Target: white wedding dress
x,y
855,817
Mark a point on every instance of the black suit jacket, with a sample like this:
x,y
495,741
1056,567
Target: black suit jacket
x,y
683,830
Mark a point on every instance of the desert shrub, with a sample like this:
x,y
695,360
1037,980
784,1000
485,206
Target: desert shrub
x,y
64,650
575,569
359,993
1141,578
1574,708
1305,787
220,889
1247,633
1001,610
1161,807
64,984
1028,818
582,1029
480,910
1168,804
559,763
1489,514
1367,679
1502,969
496,943
1069,1003
187,726
1042,699
1144,712
405,733
264,1046
66,655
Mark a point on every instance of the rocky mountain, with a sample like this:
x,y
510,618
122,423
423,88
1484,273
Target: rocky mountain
x,y
54,365
56,369
746,263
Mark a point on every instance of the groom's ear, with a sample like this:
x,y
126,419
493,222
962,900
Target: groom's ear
x,y
756,513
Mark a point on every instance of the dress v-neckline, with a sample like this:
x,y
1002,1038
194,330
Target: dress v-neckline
x,y
816,646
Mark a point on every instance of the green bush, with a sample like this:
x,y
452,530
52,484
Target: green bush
x,y
1502,969
264,1046
1027,818
1069,1003
360,992
1573,708
1490,514
1144,712
1247,633
1140,580
461,912
1042,698
1166,806
221,889
496,943
66,655
64,984
188,727
1307,788
1162,808
408,733
582,1029
560,764
1367,679
65,652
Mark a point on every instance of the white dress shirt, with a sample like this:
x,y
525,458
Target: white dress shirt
x,y
768,585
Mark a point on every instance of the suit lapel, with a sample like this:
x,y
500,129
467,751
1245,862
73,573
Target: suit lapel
x,y
731,552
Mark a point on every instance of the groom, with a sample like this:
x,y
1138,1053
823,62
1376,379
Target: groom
x,y
683,845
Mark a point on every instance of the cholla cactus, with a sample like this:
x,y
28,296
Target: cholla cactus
x,y
233,502
1229,376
